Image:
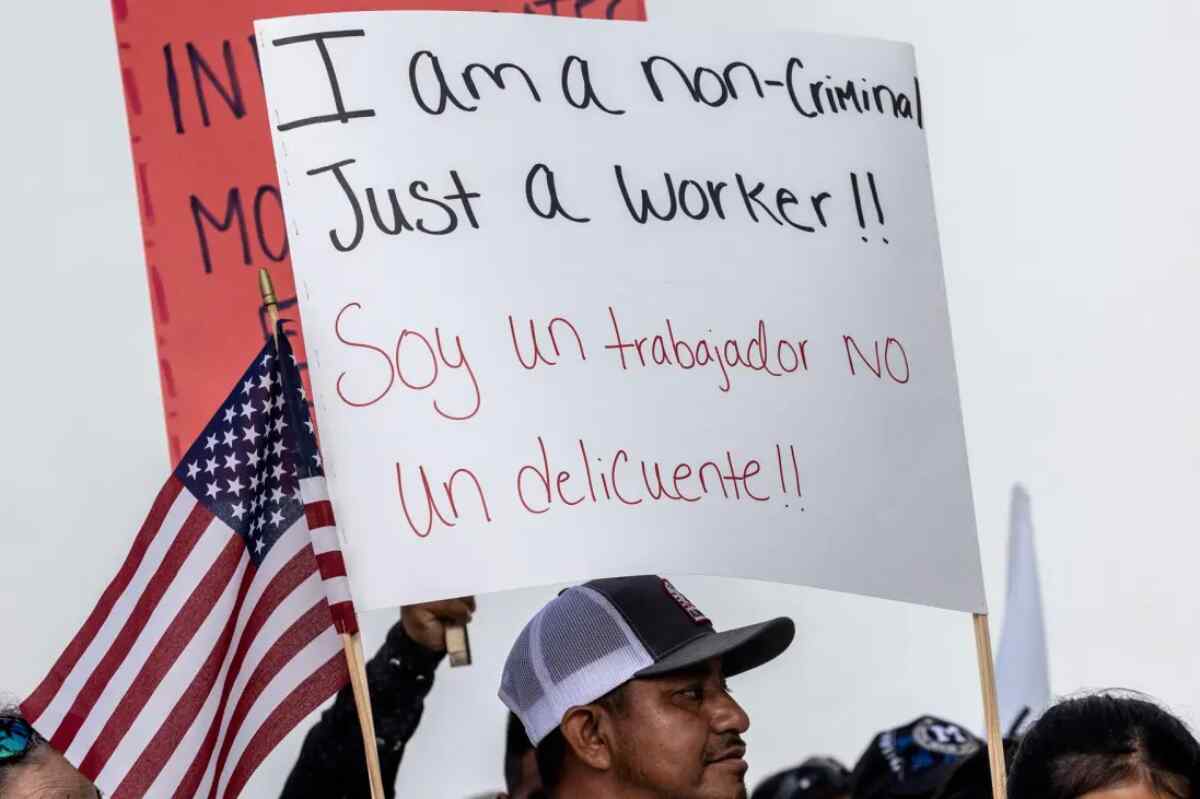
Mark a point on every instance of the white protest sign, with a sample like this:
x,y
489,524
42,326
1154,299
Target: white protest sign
x,y
595,299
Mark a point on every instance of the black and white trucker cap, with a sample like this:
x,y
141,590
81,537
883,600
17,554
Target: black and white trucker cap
x,y
594,637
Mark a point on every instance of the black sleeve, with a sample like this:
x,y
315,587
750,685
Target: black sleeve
x,y
331,763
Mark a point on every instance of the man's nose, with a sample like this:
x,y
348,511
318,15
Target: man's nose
x,y
729,716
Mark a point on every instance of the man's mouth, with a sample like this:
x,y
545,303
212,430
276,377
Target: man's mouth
x,y
733,756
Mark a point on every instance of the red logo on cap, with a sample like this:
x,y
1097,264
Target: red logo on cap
x,y
685,604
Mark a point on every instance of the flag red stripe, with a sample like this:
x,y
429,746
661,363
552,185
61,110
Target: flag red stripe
x,y
40,699
344,618
307,697
331,565
303,630
295,572
285,581
319,514
148,765
197,521
178,635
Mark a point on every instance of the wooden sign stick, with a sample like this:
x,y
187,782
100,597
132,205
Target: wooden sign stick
x,y
356,664
991,707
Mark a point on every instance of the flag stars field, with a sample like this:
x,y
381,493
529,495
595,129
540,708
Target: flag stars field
x,y
246,445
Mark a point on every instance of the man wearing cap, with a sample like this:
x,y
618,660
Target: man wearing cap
x,y
620,684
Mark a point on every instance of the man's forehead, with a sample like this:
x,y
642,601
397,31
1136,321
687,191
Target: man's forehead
x,y
48,774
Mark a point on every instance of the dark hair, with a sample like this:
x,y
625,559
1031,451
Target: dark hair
x,y
516,744
551,752
1095,742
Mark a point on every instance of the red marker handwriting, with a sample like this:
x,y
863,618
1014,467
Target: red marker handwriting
x,y
416,362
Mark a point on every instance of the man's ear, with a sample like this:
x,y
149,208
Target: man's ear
x,y
587,734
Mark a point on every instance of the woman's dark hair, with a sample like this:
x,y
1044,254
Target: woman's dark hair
x,y
1094,742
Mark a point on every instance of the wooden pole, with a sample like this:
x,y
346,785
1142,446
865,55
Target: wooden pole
x,y
352,647
991,707
356,664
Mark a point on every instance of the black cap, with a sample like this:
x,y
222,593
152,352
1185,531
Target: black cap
x,y
678,635
815,778
913,760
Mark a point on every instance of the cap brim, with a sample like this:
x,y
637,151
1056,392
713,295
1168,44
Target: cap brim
x,y
740,649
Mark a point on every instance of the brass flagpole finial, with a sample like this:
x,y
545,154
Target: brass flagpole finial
x,y
267,289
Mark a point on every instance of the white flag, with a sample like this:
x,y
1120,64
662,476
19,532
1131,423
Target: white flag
x,y
1022,672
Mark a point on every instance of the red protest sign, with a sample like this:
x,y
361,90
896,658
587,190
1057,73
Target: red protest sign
x,y
207,189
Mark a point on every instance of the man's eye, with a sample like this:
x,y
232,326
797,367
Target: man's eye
x,y
695,693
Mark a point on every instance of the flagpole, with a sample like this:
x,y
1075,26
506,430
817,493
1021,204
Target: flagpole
x,y
351,642
991,707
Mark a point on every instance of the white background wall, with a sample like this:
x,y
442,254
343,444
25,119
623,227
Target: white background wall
x,y
1064,139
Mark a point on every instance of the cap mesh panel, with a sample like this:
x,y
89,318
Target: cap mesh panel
x,y
520,680
576,632
574,651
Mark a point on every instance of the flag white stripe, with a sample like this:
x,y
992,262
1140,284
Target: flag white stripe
x,y
208,548
297,603
300,668
292,608
189,746
280,553
167,692
155,552
325,539
314,489
337,590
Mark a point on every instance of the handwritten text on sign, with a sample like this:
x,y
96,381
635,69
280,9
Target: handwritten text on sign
x,y
205,173
587,300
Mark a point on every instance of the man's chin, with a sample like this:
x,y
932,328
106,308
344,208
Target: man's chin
x,y
727,779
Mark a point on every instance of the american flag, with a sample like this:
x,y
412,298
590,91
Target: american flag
x,y
219,632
